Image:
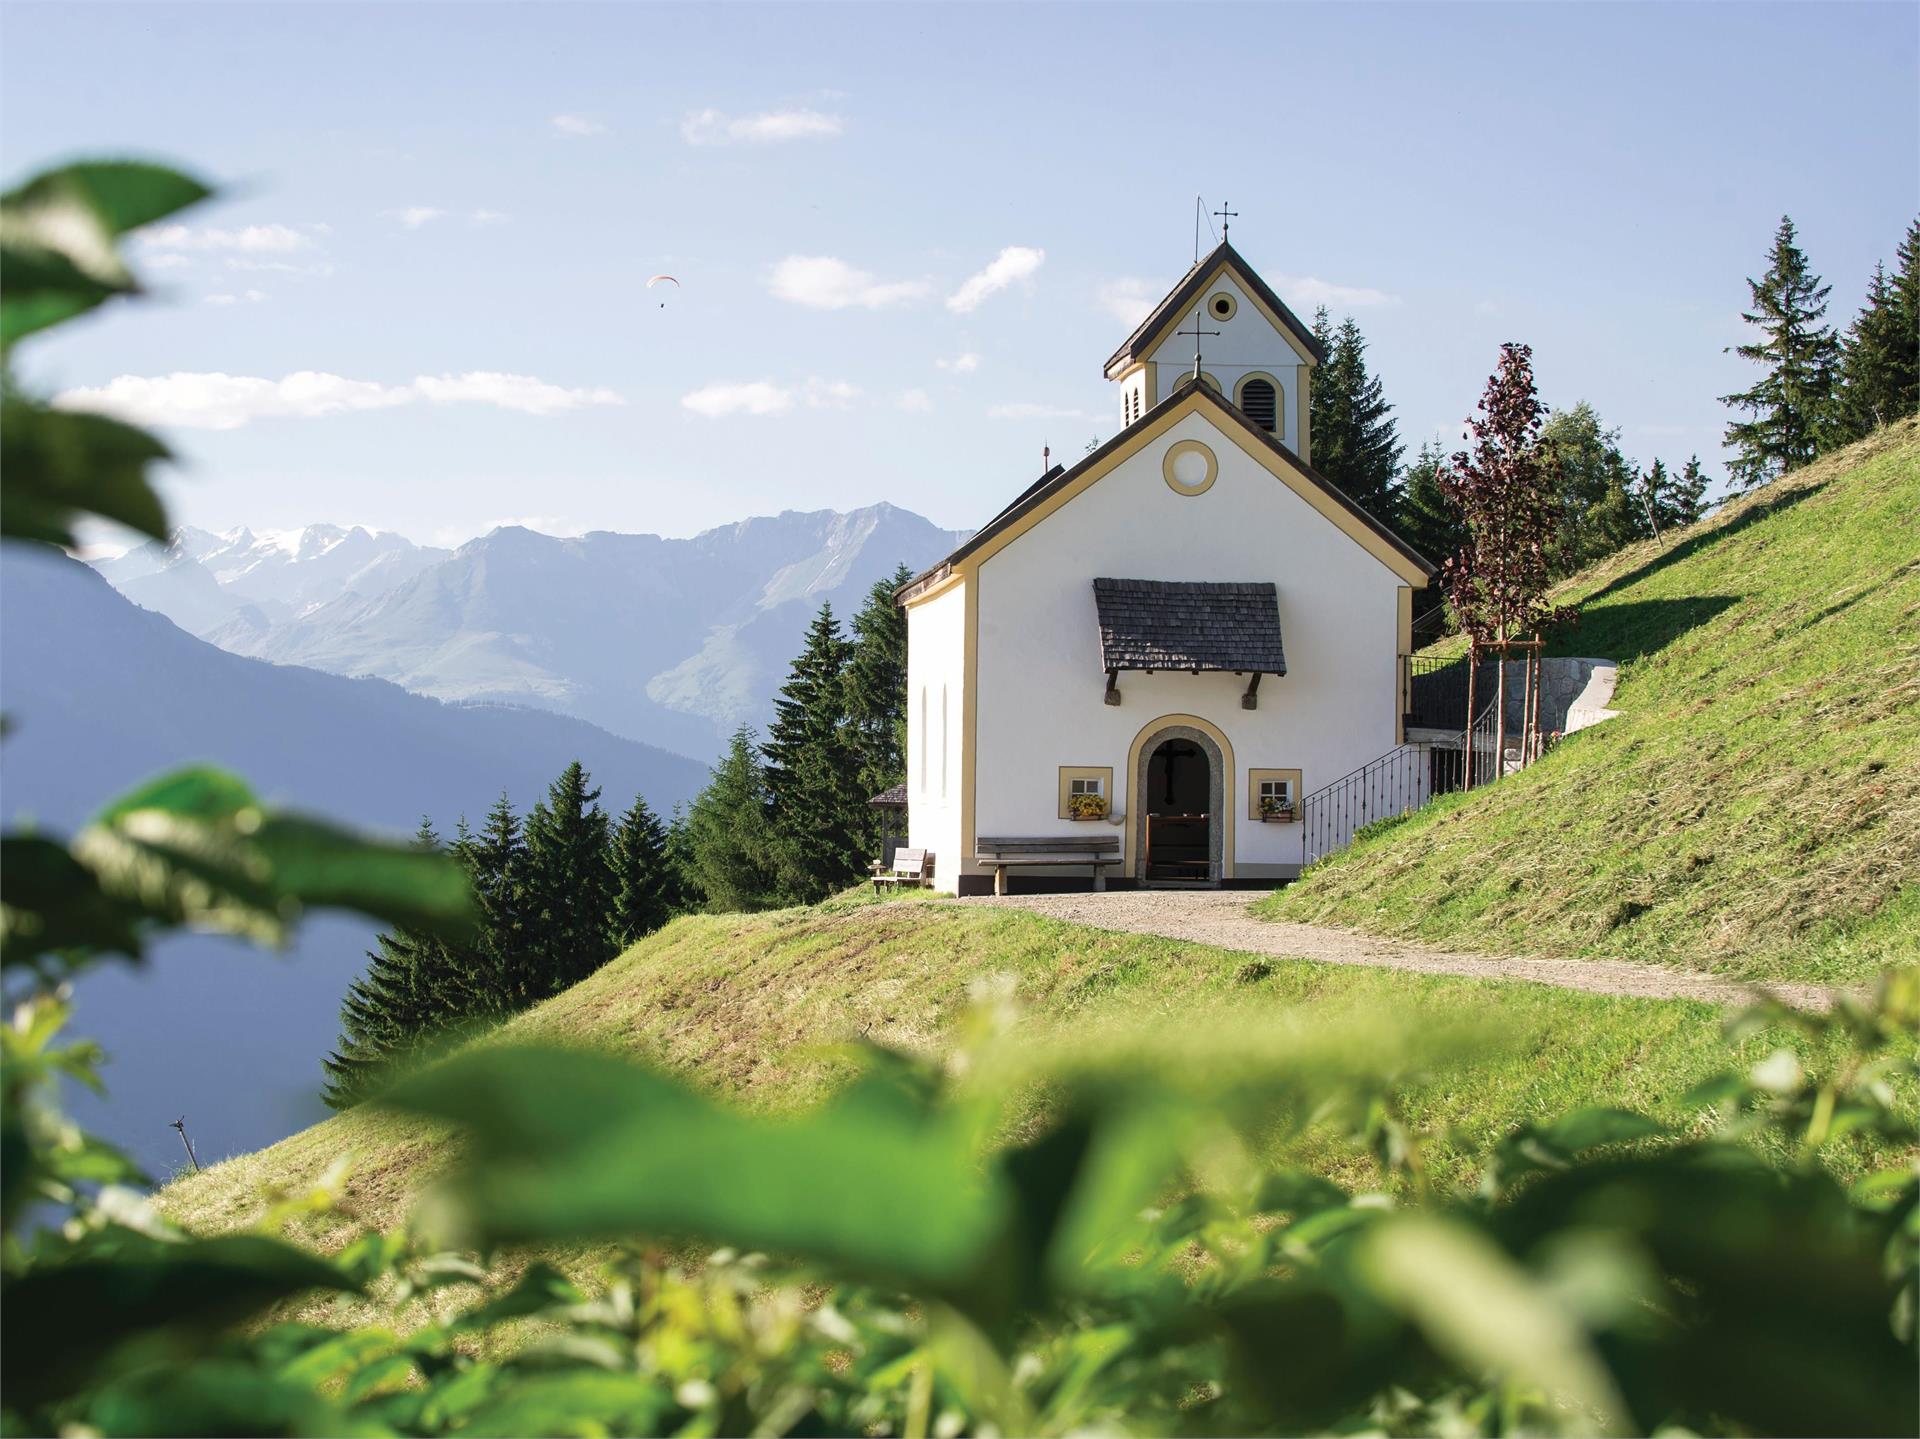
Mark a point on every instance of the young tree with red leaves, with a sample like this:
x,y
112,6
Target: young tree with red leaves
x,y
1508,501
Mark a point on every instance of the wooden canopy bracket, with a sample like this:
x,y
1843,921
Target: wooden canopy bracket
x,y
1251,699
1113,687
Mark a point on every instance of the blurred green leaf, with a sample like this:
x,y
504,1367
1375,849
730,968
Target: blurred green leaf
x,y
540,1288
59,255
582,1402
49,902
57,465
176,1294
566,1145
1476,1305
1554,1145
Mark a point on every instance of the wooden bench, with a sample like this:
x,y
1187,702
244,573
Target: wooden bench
x,y
910,866
1098,851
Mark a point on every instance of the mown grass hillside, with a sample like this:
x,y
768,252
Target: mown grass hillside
x,y
1755,809
759,1008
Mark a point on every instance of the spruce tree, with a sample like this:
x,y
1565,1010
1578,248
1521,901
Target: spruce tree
x,y
877,694
412,989
1790,409
816,806
1878,364
1355,441
728,844
496,861
1675,500
642,884
1599,511
569,886
1426,518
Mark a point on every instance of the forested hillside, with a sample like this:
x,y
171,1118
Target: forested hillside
x,y
1755,809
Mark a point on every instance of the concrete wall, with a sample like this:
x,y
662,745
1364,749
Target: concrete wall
x,y
1041,684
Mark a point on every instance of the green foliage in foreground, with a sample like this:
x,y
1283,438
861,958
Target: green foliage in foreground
x,y
888,1266
1755,809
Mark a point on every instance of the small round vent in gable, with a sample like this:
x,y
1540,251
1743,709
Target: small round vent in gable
x,y
1222,306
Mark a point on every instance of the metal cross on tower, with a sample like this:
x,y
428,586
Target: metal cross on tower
x,y
1225,215
1196,332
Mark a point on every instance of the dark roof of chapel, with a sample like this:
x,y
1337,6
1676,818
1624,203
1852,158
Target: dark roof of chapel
x,y
895,798
1188,290
1189,625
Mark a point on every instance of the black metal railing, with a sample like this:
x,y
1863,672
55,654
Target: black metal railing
x,y
1401,781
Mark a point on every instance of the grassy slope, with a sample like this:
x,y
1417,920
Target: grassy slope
x,y
751,1006
1755,810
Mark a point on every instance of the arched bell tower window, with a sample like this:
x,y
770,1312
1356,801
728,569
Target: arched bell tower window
x,y
1261,404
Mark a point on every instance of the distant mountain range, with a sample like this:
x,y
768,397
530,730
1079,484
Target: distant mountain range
x,y
673,642
102,694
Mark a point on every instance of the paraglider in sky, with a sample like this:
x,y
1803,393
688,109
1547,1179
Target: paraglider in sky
x,y
657,279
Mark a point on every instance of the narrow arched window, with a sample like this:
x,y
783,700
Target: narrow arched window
x,y
1262,404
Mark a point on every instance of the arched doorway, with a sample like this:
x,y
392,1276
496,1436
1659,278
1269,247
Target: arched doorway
x,y
1179,819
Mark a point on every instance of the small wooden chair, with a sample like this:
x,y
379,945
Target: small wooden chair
x,y
910,867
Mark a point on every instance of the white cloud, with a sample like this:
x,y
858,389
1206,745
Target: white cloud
x,y
765,397
577,125
1027,411
1016,262
488,217
319,270
414,216
824,283
914,402
245,297
168,262
757,397
769,127
214,401
1312,292
960,364
829,394
253,238
1128,300
510,392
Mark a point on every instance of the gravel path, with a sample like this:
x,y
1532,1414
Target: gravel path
x,y
1219,917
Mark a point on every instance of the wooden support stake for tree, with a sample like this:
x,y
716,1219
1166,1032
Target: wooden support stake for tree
x,y
1473,665
1539,744
1526,709
1500,714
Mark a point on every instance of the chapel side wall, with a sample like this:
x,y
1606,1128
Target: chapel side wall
x,y
936,723
1041,686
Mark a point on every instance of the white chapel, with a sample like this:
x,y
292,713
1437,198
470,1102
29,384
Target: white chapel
x,y
1147,662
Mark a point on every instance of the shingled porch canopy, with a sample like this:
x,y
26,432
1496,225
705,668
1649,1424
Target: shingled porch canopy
x,y
1190,625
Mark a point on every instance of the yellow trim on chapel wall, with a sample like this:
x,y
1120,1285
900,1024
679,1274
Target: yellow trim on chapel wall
x,y
1280,464
1224,268
1279,398
1227,787
1071,772
1189,447
1303,405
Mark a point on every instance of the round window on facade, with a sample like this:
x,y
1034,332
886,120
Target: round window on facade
x,y
1189,468
1222,306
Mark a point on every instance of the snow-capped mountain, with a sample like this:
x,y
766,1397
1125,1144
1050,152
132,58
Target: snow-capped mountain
x,y
670,641
282,573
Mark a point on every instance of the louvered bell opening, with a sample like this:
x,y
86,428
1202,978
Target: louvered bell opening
x,y
1260,403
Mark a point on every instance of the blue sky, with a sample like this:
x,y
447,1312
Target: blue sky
x,y
440,220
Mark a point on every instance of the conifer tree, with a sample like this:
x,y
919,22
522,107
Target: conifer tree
x,y
642,883
496,861
1676,501
1599,511
1879,368
569,886
1355,440
683,893
816,806
1426,518
1790,409
414,987
877,694
728,843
